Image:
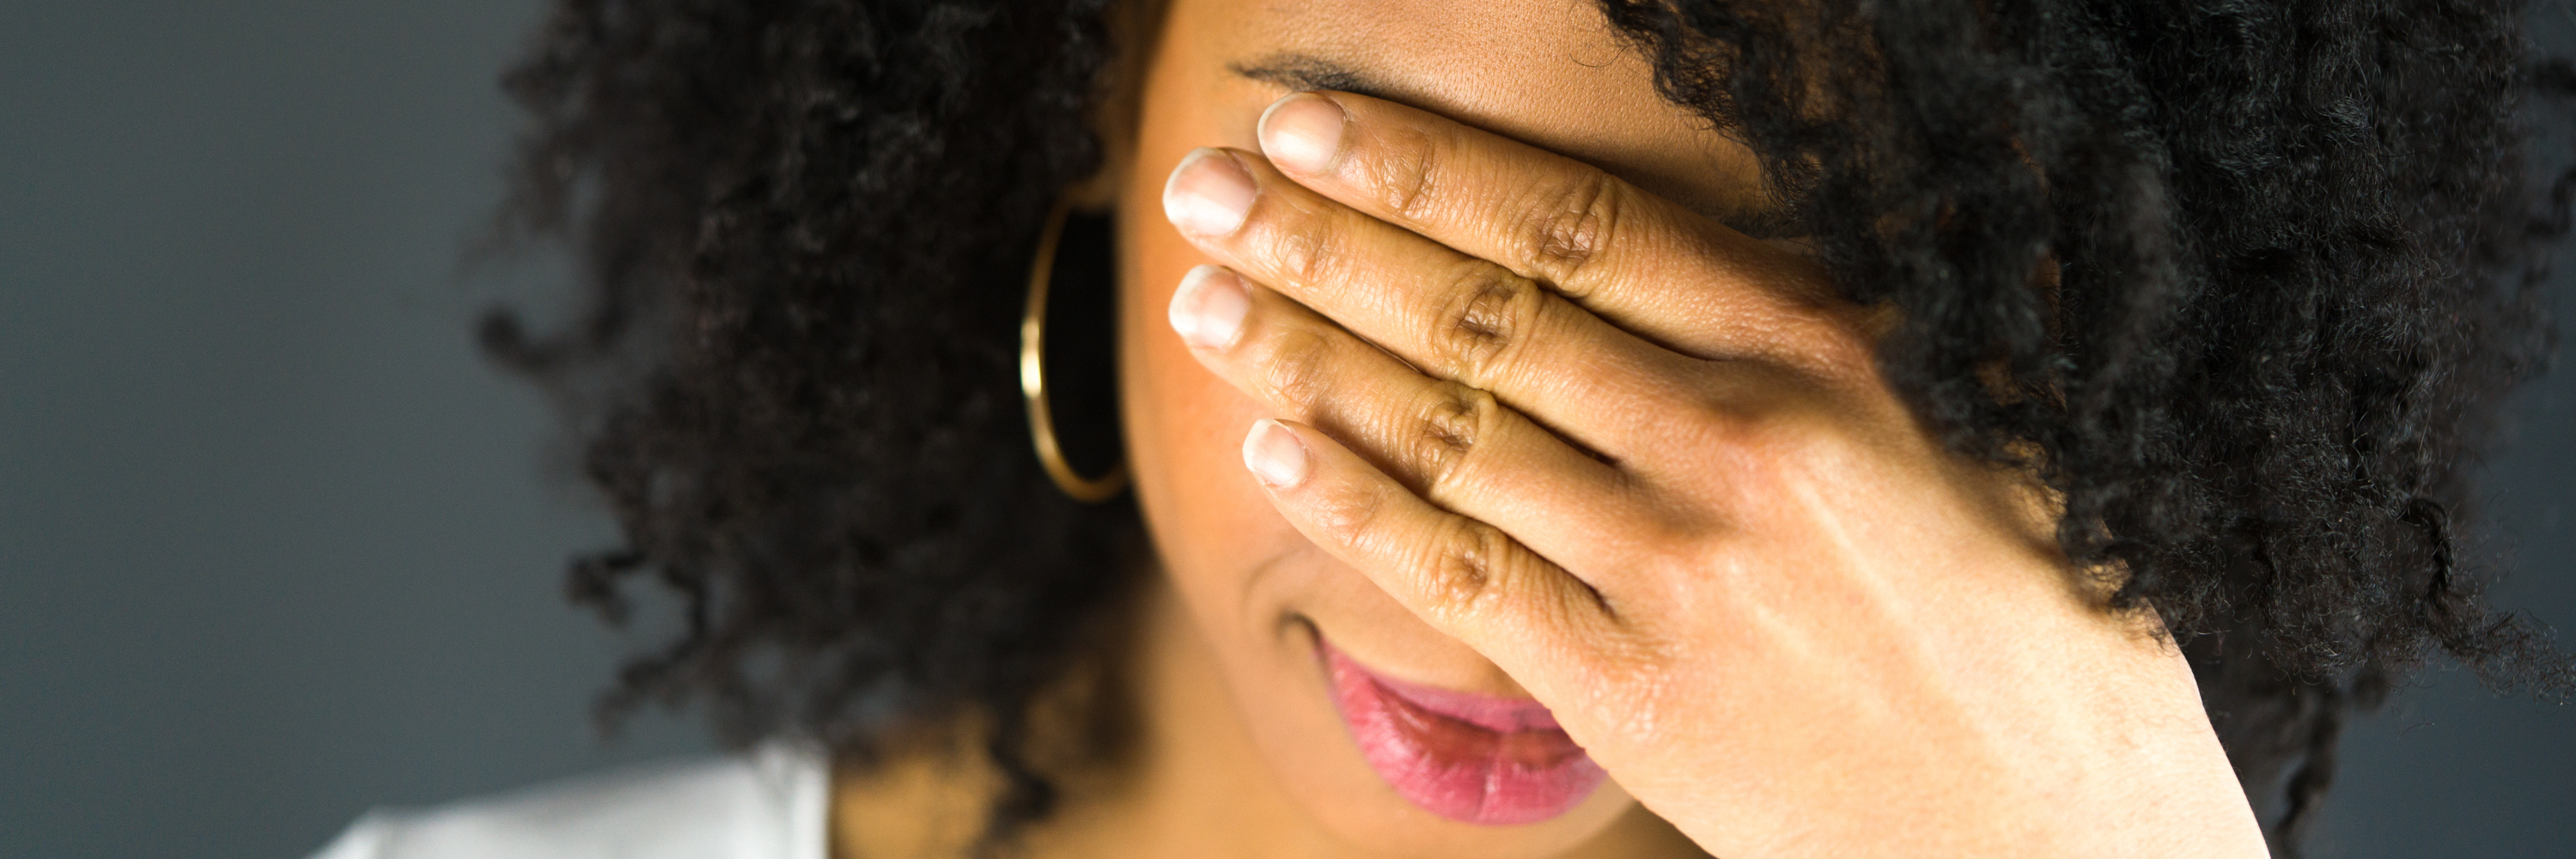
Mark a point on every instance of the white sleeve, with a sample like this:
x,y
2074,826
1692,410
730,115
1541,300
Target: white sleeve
x,y
770,804
364,839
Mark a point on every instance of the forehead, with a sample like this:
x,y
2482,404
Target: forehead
x,y
1553,73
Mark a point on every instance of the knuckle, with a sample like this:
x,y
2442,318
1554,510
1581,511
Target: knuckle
x,y
1465,570
1450,424
1490,312
1350,518
1564,232
1297,370
1751,434
1767,447
1843,351
1634,703
1405,173
1303,247
1686,563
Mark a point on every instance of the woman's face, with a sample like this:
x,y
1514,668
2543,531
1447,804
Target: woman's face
x,y
1549,72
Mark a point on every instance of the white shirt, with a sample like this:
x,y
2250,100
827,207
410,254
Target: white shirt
x,y
765,804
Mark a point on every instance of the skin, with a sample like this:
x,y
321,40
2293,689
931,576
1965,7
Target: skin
x,y
1486,390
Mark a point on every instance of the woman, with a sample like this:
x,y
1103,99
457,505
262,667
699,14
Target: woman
x,y
1629,429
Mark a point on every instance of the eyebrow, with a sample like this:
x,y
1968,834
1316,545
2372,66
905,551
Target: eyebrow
x,y
1299,72
1307,71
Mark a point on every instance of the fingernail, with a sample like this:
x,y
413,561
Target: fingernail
x,y
1208,194
1275,455
1302,133
1208,308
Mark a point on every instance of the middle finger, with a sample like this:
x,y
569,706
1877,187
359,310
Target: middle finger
x,y
1454,316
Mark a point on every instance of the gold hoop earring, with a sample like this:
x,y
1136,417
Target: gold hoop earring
x,y
1088,490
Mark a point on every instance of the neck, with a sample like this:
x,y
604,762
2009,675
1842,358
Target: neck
x,y
1192,784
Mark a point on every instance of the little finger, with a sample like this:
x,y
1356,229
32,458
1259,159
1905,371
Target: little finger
x,y
1466,578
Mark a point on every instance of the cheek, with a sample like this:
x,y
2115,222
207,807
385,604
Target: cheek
x,y
1210,521
1213,526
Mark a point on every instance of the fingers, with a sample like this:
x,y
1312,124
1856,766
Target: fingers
x,y
1454,445
1466,578
1455,316
1647,264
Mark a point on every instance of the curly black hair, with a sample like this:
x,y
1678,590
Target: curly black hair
x,y
2287,254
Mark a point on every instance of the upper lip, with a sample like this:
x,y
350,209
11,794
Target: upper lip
x,y
1500,714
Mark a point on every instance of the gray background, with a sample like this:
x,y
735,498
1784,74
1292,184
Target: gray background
x,y
276,546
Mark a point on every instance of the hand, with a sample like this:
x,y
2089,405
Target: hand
x,y
1647,466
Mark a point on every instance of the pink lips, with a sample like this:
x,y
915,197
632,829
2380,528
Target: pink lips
x,y
1463,756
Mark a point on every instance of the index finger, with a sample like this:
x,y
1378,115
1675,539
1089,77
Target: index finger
x,y
1645,263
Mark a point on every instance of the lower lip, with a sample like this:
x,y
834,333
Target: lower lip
x,y
1474,758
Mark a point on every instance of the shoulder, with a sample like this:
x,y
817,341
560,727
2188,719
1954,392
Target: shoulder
x,y
768,803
